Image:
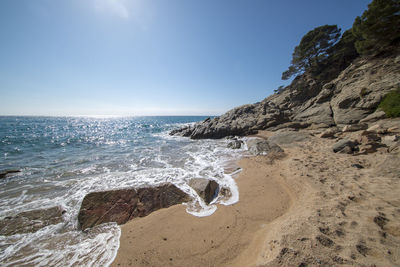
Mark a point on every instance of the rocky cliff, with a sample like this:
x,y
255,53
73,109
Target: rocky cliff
x,y
350,97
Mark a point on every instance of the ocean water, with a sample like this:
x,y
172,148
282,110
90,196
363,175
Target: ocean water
x,y
64,158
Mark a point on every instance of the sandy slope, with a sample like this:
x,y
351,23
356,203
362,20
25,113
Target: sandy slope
x,y
310,208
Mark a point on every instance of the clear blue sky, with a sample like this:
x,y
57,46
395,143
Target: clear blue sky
x,y
151,57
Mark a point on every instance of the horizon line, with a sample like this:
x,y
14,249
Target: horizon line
x,y
106,116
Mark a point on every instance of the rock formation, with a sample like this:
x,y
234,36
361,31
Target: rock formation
x,y
350,97
30,221
260,146
123,205
206,189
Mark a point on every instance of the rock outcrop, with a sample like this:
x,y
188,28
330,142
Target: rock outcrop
x,y
345,99
123,205
258,146
206,189
344,146
235,144
30,221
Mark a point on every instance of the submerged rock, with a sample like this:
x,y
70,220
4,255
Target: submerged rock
x,y
123,205
260,146
3,174
206,189
31,221
235,144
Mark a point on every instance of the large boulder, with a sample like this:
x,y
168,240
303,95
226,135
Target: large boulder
x,y
344,146
206,189
30,221
258,146
123,205
235,144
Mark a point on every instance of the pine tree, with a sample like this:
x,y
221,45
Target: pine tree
x,y
313,49
378,27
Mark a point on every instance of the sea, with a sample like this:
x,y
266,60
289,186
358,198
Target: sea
x,y
61,159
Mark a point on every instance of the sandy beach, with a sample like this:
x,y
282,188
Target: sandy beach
x,y
232,235
310,207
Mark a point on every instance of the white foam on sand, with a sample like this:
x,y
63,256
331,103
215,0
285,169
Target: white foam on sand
x,y
64,244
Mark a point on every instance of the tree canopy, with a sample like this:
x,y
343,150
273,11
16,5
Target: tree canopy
x,y
378,27
313,49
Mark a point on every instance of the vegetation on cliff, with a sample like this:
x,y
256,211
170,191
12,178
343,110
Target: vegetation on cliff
x,y
313,49
337,83
391,104
378,28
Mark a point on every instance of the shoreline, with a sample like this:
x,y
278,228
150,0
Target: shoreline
x,y
173,237
311,207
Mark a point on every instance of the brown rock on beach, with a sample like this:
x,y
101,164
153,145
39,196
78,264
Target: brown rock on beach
x,y
123,205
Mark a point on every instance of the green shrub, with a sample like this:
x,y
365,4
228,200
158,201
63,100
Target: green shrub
x,y
391,104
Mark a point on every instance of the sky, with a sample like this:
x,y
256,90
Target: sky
x,y
151,57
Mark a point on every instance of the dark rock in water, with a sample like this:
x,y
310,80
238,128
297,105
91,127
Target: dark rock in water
x,y
3,174
235,144
288,137
185,131
123,205
260,146
206,189
344,146
30,221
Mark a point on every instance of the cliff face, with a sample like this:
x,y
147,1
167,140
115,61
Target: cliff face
x,y
353,95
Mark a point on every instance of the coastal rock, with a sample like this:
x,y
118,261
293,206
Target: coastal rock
x,y
288,137
390,140
344,146
317,113
235,144
206,189
30,221
123,205
377,115
258,146
369,142
291,125
377,128
355,127
3,174
360,88
329,133
347,97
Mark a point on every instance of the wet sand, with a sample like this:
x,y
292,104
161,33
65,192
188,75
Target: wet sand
x,y
309,208
232,236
